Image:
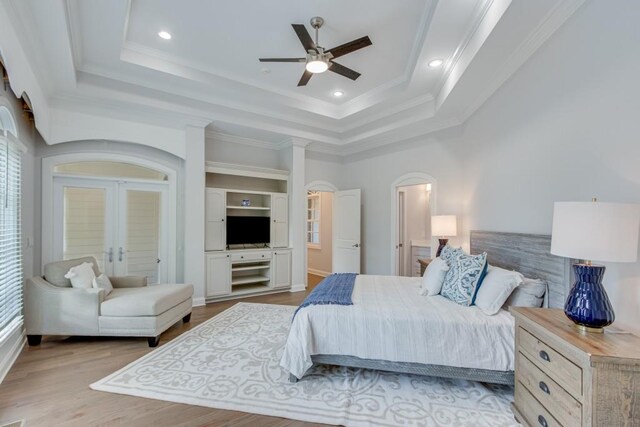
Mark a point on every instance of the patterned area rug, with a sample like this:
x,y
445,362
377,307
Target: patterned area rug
x,y
232,362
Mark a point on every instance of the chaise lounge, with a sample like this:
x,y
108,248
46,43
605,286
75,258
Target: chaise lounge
x,y
53,307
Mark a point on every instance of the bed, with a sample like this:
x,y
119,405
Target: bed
x,y
390,327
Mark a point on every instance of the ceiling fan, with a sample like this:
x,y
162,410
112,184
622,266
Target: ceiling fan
x,y
319,60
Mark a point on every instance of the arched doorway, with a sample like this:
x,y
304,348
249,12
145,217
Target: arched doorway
x,y
413,201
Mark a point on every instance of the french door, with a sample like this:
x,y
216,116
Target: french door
x,y
119,223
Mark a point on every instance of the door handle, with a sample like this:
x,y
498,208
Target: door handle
x,y
357,245
120,254
110,254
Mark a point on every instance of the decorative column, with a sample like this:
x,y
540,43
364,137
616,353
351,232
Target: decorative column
x,y
297,214
194,188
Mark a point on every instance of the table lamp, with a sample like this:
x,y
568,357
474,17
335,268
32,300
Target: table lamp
x,y
588,231
443,226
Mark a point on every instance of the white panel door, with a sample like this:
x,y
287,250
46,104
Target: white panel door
x,y
84,220
281,267
142,247
279,220
346,231
218,274
215,214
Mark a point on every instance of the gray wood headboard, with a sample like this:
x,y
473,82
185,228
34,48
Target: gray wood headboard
x,y
529,254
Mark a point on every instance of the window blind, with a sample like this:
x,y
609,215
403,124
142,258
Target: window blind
x,y
10,236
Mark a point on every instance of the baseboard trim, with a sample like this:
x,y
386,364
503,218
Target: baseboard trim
x,y
199,302
318,272
298,288
10,355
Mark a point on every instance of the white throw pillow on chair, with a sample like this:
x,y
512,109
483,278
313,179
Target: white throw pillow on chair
x,y
81,276
103,282
434,277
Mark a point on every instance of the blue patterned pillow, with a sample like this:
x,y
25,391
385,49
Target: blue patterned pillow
x,y
449,254
463,279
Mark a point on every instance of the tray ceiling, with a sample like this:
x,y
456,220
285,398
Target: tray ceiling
x,y
106,54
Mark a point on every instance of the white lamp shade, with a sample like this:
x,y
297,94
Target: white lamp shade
x,y
444,225
595,231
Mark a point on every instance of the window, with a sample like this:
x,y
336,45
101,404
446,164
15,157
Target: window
x,y
10,236
313,219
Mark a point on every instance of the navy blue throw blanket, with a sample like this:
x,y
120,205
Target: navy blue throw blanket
x,y
334,289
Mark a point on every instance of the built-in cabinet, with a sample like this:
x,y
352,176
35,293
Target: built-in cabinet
x,y
215,214
235,270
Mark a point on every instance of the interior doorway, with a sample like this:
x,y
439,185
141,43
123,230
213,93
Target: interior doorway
x,y
413,204
414,228
319,233
332,230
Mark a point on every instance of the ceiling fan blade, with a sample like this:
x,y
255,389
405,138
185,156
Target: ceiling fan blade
x,y
343,71
304,36
306,76
283,59
352,46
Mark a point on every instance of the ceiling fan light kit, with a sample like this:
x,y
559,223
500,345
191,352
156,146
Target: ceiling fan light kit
x,y
318,60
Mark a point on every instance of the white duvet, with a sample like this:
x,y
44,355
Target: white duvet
x,y
390,321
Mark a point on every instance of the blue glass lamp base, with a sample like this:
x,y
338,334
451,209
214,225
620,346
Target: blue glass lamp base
x,y
588,305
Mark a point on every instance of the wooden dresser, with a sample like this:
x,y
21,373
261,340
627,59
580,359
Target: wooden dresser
x,y
564,378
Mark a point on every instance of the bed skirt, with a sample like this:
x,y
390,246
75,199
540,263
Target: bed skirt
x,y
481,375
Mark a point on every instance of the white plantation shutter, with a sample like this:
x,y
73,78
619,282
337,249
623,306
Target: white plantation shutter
x,y
10,236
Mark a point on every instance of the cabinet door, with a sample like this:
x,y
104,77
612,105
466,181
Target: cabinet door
x,y
218,274
279,220
215,214
281,265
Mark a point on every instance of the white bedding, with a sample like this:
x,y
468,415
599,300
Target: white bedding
x,y
390,321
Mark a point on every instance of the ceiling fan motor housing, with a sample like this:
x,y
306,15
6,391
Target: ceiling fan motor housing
x,y
316,22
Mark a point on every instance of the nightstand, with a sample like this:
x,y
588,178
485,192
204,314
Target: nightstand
x,y
565,378
424,262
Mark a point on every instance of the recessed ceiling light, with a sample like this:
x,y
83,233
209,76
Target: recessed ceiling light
x,y
338,93
434,63
164,35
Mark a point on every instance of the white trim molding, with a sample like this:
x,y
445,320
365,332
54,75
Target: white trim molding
x,y
10,349
318,272
301,287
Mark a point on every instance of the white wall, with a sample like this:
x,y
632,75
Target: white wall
x,y
240,154
566,127
319,260
375,176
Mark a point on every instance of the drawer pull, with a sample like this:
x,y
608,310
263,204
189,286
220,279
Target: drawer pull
x,y
544,356
542,421
544,387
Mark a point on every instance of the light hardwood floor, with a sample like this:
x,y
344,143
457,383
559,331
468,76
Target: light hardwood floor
x,y
49,384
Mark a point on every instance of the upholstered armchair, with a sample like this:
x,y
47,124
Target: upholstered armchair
x,y
53,307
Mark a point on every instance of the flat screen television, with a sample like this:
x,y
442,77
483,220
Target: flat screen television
x,y
248,230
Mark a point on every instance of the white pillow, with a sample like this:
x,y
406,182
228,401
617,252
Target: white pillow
x,y
103,282
81,276
496,288
434,277
530,293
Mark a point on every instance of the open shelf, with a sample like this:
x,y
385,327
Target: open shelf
x,y
249,289
251,267
248,279
255,208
